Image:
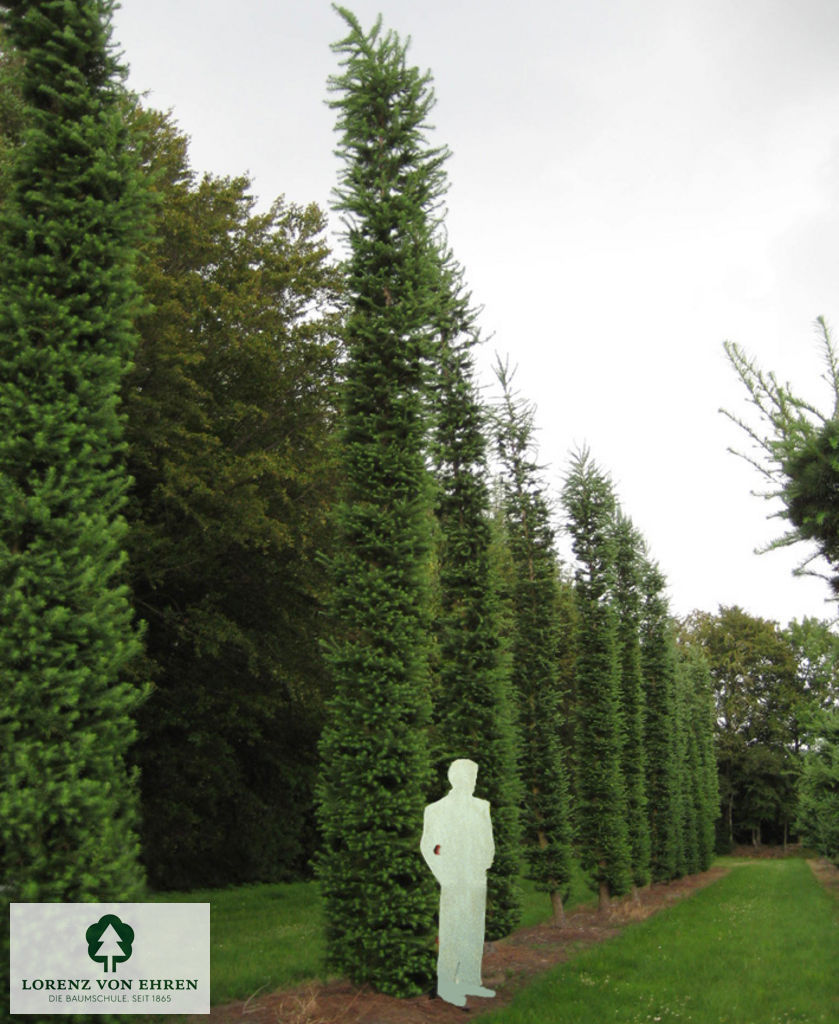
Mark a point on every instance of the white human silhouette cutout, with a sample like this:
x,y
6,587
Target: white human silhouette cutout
x,y
457,845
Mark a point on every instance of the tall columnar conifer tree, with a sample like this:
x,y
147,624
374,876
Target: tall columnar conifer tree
x,y
68,235
685,824
658,662
590,507
566,655
546,818
473,702
68,232
705,718
380,898
629,548
703,798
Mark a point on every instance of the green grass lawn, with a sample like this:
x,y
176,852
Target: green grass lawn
x,y
262,937
265,937
761,946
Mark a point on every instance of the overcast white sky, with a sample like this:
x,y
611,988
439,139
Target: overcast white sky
x,y
633,182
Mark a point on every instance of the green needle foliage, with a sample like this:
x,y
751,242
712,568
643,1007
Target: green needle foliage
x,y
546,818
629,548
686,840
698,791
68,235
658,660
473,703
591,508
12,111
703,792
797,452
379,896
705,718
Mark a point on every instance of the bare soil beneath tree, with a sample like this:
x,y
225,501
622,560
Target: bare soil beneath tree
x,y
827,874
508,966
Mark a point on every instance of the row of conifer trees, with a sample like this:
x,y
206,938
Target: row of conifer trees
x,y
452,631
593,741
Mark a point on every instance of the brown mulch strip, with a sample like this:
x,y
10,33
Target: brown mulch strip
x,y
826,873
508,965
767,852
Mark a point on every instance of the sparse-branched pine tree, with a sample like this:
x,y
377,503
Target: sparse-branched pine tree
x,y
380,898
591,508
473,705
658,663
546,818
795,450
629,548
68,235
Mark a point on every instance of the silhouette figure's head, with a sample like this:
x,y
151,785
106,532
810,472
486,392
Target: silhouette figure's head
x,y
463,774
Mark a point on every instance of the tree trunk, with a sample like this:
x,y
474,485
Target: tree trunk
x,y
731,819
558,909
603,901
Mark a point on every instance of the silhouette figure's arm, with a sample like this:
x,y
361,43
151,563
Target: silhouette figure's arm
x,y
488,841
430,842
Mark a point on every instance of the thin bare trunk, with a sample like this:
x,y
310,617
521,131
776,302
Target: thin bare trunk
x,y
559,910
731,820
604,899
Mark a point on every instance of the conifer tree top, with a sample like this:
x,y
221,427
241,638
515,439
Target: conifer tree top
x,y
382,105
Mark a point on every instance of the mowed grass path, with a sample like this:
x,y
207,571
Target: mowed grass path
x,y
760,946
265,937
262,937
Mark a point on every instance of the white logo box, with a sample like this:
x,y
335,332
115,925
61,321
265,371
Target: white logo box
x,y
165,968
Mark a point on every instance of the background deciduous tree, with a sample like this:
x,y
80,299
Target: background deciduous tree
x,y
231,417
815,651
767,683
818,809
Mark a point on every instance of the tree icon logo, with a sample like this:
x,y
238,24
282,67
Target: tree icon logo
x,y
109,939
